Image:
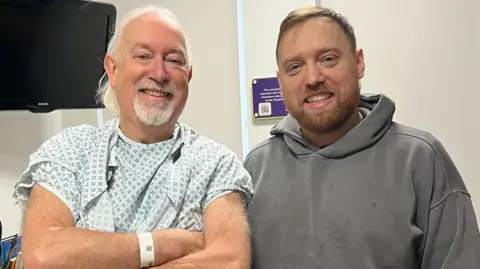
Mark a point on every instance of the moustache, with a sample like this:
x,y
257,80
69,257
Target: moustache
x,y
147,84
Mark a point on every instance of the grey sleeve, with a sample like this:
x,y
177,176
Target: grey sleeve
x,y
452,237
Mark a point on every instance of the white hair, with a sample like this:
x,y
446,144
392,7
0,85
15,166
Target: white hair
x,y
105,93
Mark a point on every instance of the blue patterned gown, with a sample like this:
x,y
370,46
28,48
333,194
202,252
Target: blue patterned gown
x,y
111,183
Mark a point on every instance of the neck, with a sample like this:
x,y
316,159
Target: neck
x,y
324,139
145,134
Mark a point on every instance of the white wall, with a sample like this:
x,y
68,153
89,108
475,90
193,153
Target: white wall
x,y
211,27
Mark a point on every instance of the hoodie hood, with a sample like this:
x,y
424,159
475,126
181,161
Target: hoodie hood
x,y
377,112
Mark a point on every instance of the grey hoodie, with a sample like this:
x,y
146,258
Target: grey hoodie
x,y
383,196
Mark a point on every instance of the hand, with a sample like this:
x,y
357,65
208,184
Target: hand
x,y
172,244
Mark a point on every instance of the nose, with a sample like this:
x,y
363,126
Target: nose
x,y
158,72
315,76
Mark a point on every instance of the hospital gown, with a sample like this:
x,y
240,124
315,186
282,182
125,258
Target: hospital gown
x,y
112,183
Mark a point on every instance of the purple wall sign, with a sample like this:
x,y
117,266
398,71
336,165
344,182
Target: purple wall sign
x,y
267,99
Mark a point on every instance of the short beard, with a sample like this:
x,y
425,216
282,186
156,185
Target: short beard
x,y
154,113
334,119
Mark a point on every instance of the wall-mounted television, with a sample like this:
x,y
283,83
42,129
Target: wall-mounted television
x,y
51,53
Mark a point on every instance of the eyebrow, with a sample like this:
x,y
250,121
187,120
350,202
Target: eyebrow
x,y
321,52
137,46
148,47
176,51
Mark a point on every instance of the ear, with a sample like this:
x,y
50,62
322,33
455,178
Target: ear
x,y
110,68
360,63
190,73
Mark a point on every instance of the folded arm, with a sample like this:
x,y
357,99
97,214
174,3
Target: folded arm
x,y
51,241
227,237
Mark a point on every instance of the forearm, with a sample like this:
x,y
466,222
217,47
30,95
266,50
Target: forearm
x,y
71,248
212,259
233,251
50,240
227,234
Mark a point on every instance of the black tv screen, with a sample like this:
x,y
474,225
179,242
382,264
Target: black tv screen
x,y
51,53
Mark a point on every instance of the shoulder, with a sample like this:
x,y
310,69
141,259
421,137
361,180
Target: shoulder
x,y
272,146
215,164
55,164
266,145
413,138
77,135
71,139
429,156
204,149
70,145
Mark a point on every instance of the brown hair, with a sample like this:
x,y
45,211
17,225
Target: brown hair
x,y
303,14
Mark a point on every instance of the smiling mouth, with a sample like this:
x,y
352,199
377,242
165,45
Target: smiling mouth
x,y
319,98
155,93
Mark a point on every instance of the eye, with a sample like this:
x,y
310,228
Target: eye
x,y
143,56
329,59
293,68
175,61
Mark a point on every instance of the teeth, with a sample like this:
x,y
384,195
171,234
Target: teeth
x,y
155,93
319,98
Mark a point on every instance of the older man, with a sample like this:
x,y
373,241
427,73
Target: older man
x,y
339,184
143,190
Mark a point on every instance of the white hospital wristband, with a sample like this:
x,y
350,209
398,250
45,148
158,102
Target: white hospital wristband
x,y
147,250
